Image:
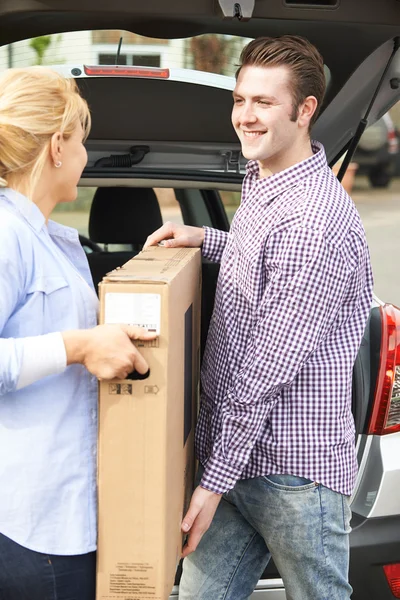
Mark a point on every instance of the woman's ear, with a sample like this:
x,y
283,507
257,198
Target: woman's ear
x,y
56,147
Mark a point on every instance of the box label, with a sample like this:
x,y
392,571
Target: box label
x,y
142,310
132,581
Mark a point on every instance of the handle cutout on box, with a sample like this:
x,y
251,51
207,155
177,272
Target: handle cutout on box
x,y
135,376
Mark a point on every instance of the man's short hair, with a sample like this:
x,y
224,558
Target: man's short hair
x,y
303,60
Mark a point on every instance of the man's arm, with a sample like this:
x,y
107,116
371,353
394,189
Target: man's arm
x,y
214,243
307,280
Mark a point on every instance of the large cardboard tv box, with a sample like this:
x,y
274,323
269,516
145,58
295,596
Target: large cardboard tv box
x,y
146,427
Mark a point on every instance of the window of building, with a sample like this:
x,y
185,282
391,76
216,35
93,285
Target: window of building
x,y
146,60
138,60
109,59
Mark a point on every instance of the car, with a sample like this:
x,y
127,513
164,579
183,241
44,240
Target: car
x,y
377,151
156,128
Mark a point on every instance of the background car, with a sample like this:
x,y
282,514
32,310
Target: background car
x,y
377,151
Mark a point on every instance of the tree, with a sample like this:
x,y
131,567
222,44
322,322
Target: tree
x,y
40,45
211,53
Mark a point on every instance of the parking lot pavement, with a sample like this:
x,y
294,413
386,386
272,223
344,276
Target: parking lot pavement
x,y
380,213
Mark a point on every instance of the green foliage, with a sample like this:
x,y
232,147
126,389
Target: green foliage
x,y
40,45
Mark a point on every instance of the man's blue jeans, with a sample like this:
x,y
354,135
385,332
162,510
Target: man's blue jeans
x,y
303,525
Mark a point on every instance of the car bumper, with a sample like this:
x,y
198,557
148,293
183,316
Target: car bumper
x,y
269,589
375,159
373,543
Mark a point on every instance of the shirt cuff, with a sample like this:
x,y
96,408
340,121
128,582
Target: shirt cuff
x,y
219,476
43,355
214,243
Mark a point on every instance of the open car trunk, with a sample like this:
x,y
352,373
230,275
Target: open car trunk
x,y
355,38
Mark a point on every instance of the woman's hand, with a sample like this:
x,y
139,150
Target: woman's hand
x,y
107,351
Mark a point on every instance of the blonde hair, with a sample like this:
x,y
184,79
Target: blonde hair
x,y
35,103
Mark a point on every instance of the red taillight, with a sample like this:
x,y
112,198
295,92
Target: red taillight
x,y
385,416
393,142
110,71
392,573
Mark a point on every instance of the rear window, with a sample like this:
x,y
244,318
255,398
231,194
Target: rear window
x,y
212,53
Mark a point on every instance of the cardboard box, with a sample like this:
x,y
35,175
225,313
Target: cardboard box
x,y
146,427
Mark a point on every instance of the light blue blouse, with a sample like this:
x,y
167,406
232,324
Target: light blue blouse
x,y
48,430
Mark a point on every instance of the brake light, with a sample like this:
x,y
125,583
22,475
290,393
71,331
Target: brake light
x,y
385,416
123,71
392,573
393,142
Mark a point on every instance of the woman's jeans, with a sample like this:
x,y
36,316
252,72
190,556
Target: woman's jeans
x,y
303,525
29,575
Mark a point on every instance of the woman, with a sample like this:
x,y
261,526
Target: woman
x,y
51,351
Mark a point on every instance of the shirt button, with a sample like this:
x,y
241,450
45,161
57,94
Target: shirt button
x,y
93,414
229,480
249,444
94,450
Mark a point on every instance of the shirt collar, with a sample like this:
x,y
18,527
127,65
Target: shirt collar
x,y
62,231
26,208
279,182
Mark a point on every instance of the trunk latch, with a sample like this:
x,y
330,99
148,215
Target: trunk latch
x,y
242,11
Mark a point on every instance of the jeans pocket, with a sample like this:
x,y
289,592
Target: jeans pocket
x,y
290,483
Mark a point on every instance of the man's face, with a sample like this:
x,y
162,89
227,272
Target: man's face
x,y
261,115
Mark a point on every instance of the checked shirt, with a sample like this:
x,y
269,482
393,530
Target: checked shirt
x,y
292,301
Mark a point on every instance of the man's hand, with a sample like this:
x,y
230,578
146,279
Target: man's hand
x,y
176,236
199,516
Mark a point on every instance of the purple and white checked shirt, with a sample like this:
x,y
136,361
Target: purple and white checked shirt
x,y
292,301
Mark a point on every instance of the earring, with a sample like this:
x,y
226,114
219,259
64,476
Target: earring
x,y
58,164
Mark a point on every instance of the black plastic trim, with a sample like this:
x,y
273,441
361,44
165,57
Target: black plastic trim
x,y
373,543
170,174
216,209
312,4
375,338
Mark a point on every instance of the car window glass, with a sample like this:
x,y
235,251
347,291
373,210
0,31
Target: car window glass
x,y
76,214
213,53
170,209
231,201
210,52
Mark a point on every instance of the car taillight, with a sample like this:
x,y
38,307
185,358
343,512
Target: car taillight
x,y
392,573
393,142
115,70
385,416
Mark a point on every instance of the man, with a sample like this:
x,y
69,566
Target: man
x,y
275,435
